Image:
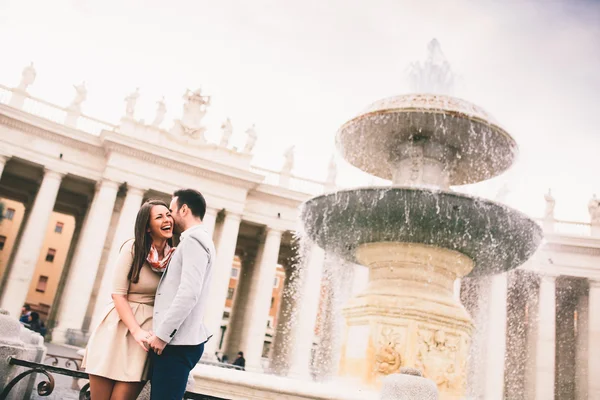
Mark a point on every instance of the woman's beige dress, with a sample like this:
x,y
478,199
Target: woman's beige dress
x,y
112,352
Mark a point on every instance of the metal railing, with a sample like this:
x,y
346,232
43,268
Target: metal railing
x,y
47,385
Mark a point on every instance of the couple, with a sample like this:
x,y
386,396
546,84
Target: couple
x,y
154,328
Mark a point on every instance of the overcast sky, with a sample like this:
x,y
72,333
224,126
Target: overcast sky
x,y
300,69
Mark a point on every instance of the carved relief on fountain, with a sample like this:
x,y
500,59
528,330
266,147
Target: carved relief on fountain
x,y
388,359
419,326
442,357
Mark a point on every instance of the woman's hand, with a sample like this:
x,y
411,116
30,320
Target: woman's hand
x,y
141,336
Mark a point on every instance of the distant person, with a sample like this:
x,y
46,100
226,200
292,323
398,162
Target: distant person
x,y
116,357
225,359
25,314
240,361
36,324
179,330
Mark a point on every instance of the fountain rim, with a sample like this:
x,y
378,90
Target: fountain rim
x,y
477,271
484,117
417,189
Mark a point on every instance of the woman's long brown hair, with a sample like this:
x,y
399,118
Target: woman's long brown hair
x,y
143,240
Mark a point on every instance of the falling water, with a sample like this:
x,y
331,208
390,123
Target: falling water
x,y
337,284
395,137
434,75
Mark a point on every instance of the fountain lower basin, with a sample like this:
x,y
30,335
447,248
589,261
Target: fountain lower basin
x,y
416,242
494,236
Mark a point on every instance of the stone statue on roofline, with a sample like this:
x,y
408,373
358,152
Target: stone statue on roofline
x,y
550,204
288,164
161,111
80,97
226,133
251,138
27,78
130,102
194,109
189,128
331,172
594,210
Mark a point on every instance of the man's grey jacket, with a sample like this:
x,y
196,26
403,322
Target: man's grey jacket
x,y
182,293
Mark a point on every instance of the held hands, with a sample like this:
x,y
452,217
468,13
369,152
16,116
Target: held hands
x,y
141,337
149,340
156,344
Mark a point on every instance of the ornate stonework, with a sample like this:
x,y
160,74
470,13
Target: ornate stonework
x,y
408,317
442,358
388,359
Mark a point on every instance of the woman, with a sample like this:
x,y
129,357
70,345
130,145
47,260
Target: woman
x,y
116,357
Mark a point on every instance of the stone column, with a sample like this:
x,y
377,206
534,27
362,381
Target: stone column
x,y
304,330
258,302
594,341
546,344
3,160
31,244
123,232
496,338
581,348
210,218
85,264
220,280
231,342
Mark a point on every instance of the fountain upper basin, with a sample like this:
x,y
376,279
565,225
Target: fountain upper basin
x,y
494,236
477,148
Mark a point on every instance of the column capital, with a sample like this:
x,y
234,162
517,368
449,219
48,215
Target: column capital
x,y
53,174
549,278
211,210
594,283
233,216
136,190
108,183
273,231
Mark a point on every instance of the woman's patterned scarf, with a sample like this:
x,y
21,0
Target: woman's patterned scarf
x,y
155,262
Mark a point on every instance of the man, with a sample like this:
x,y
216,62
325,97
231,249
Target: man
x,y
25,314
179,332
240,361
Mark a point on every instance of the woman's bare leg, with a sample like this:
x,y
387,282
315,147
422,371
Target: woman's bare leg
x,y
126,390
101,388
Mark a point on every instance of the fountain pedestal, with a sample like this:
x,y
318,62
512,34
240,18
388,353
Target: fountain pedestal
x,y
407,317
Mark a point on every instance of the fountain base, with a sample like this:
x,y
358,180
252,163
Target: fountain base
x,y
407,317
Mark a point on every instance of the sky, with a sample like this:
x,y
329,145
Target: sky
x,y
300,69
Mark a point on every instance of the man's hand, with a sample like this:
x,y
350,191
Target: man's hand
x,y
156,344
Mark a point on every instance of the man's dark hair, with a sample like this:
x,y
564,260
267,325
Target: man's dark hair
x,y
193,199
27,307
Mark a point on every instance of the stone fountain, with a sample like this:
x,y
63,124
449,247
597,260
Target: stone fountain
x,y
417,236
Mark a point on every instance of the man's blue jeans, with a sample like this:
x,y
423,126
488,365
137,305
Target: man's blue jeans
x,y
171,369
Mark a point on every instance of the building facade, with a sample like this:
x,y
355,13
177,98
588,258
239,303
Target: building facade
x,y
537,329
